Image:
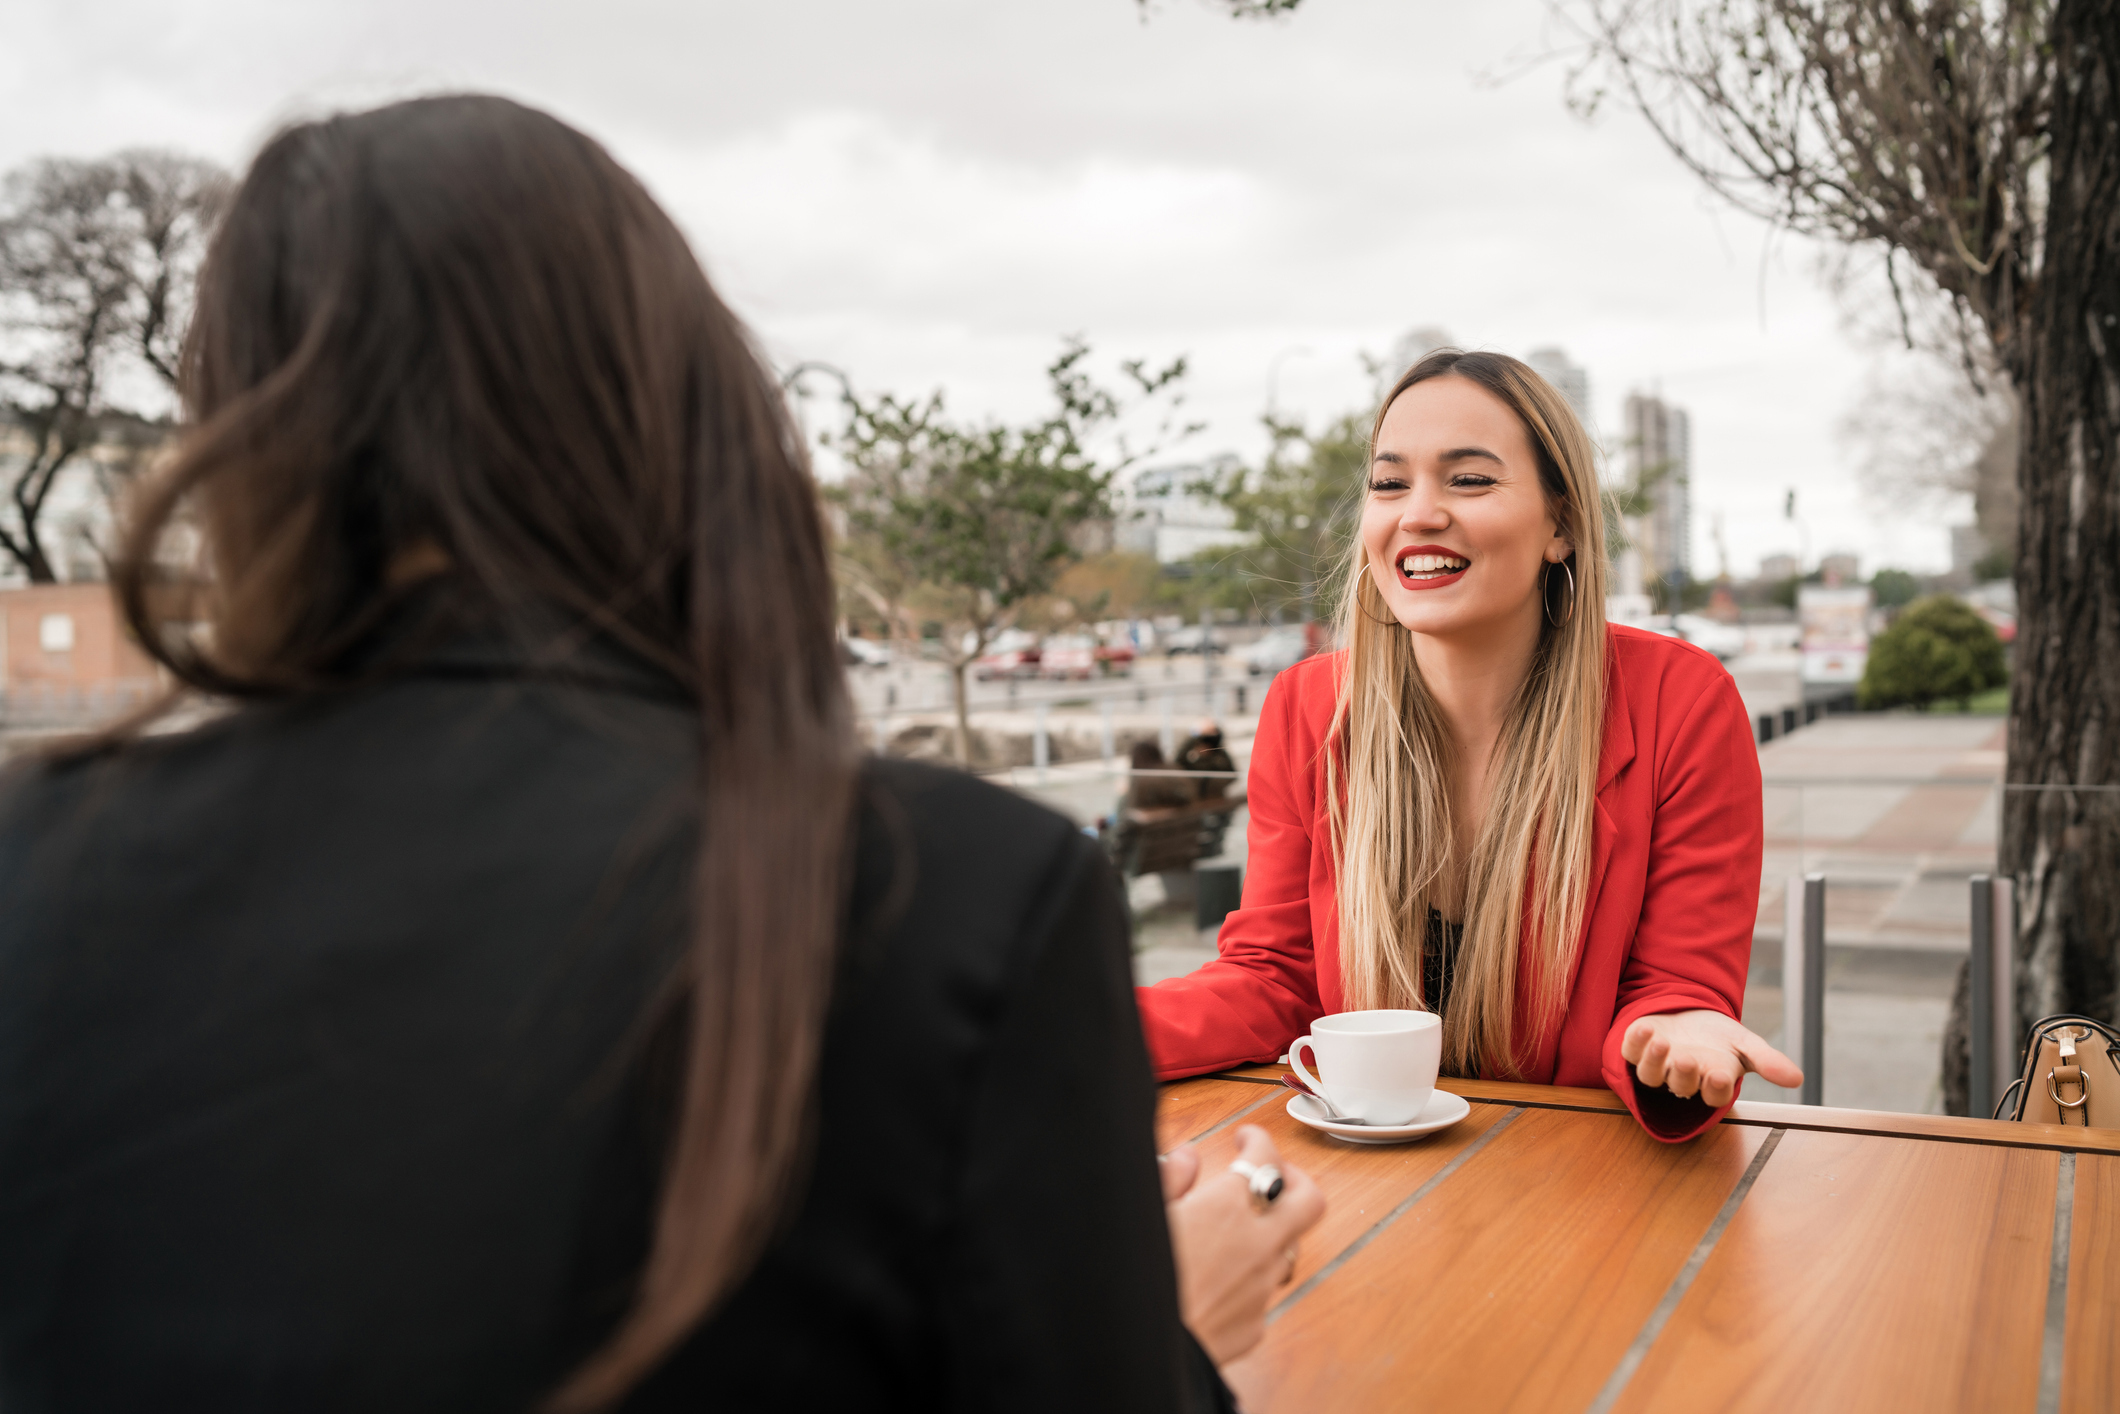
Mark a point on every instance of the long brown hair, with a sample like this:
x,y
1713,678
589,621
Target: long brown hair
x,y
455,331
1388,785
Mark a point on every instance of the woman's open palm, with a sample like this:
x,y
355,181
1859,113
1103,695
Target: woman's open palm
x,y
1704,1053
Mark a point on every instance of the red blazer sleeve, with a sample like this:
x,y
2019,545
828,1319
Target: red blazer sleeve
x,y
1693,944
1261,991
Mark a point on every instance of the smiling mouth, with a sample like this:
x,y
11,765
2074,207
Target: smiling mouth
x,y
1428,568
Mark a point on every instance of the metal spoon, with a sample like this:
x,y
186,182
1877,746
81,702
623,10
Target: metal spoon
x,y
1332,1111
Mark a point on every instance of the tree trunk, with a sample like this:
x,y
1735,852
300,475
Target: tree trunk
x,y
2063,846
28,551
964,712
38,566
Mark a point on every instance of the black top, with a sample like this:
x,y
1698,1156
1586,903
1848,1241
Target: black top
x,y
1439,953
321,1084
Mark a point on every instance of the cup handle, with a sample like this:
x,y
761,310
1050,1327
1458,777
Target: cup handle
x,y
1295,1062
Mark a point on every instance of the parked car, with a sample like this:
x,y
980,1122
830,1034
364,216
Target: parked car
x,y
1080,656
1280,648
1192,639
1014,654
864,653
1071,656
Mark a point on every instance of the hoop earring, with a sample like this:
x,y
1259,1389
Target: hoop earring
x,y
1387,621
1546,600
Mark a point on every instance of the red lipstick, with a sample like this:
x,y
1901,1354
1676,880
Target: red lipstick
x,y
1430,578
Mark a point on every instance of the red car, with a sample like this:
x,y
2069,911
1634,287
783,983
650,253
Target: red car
x,y
1013,655
1080,656
1071,657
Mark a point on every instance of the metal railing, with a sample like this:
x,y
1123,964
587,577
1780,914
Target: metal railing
x,y
1212,695
1991,968
1992,977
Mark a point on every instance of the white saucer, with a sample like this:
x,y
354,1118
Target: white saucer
x,y
1442,1110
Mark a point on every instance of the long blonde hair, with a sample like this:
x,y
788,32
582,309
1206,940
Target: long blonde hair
x,y
1388,788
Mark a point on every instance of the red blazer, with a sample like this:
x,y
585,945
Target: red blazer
x,y
1674,887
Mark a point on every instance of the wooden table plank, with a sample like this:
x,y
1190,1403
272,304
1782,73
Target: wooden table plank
x,y
2090,1368
1951,1128
1867,1273
1517,1284
1187,1109
1363,1182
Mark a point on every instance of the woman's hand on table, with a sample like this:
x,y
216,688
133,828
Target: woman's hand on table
x,y
1232,1255
1704,1053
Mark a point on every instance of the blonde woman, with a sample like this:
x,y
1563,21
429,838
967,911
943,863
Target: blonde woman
x,y
1492,804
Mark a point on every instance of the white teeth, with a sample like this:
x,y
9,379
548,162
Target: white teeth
x,y
1430,564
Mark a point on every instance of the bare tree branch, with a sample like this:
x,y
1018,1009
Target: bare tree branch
x,y
98,263
1882,123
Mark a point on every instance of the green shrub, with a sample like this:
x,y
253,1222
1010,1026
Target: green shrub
x,y
1937,649
1893,588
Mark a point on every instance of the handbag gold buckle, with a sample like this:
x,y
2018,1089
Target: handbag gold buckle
x,y
2079,1080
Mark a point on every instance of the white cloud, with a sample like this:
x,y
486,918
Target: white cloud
x,y
932,192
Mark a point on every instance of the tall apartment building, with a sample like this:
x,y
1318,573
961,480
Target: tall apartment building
x,y
1659,440
1572,379
1416,344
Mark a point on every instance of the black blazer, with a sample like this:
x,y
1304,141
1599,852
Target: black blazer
x,y
323,1083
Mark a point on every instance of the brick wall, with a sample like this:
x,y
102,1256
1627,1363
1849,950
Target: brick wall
x,y
66,636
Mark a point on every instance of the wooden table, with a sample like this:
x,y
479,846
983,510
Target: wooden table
x,y
1545,1254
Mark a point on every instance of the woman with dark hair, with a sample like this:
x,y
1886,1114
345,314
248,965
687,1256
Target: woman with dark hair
x,y
525,996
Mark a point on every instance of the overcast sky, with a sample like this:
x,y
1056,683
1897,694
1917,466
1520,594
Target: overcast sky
x,y
930,193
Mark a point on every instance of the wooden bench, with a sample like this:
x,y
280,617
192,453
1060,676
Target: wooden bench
x,y
1158,841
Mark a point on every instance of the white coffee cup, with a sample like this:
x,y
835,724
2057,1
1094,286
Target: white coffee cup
x,y
1379,1065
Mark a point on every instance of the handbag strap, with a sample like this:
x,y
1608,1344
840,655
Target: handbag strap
x,y
2067,1085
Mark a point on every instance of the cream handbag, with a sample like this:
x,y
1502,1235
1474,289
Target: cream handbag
x,y
2071,1075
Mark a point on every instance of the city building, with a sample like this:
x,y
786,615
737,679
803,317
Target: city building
x,y
1167,512
1659,454
1416,344
1778,569
1840,568
1572,379
66,637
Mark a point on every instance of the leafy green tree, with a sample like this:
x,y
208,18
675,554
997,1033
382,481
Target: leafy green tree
x,y
1300,506
1937,650
970,525
1122,584
1892,588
